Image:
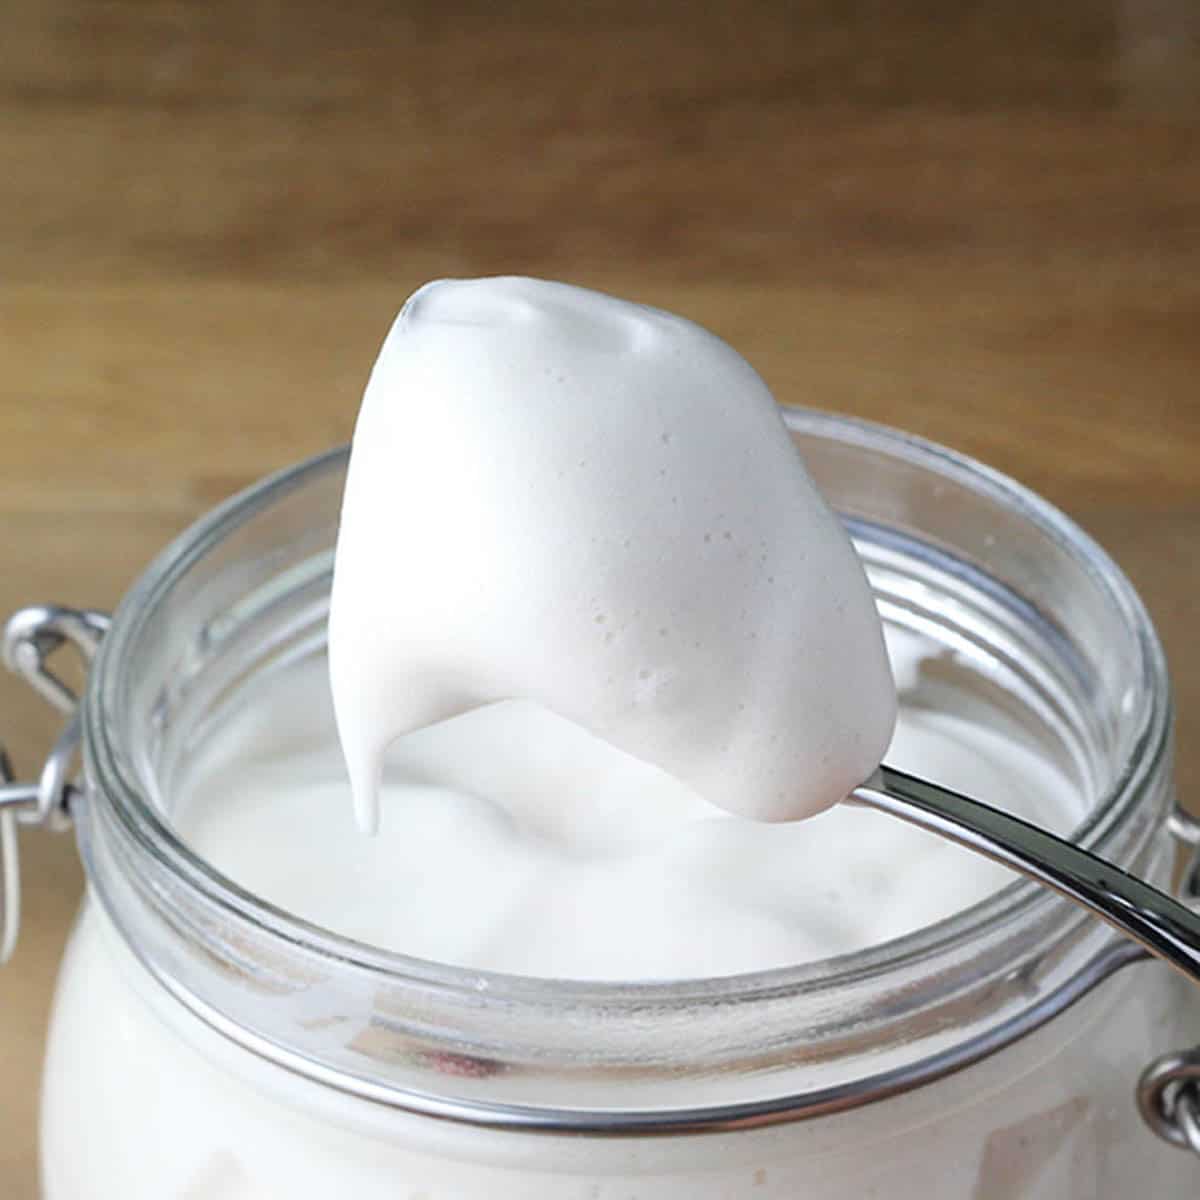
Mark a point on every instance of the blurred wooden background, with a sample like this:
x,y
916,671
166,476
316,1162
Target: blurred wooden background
x,y
980,221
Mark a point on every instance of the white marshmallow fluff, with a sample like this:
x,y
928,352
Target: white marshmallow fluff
x,y
595,643
592,506
512,840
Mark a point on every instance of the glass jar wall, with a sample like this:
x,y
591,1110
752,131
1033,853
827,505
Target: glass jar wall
x,y
206,1043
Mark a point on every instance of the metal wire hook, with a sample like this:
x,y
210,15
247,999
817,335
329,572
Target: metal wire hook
x,y
31,636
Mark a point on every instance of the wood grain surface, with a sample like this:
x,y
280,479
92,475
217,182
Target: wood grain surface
x,y
980,221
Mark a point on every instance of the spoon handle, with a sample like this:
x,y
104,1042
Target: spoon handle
x,y
1166,928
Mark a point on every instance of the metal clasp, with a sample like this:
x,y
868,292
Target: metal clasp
x,y
1168,1093
31,637
1168,1098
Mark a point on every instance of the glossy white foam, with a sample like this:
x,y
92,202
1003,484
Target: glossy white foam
x,y
560,497
515,841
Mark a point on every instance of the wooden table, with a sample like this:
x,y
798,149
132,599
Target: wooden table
x,y
981,222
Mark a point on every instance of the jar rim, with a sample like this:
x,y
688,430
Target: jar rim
x,y
896,995
108,770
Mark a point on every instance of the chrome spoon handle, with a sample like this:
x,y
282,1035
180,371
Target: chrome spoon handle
x,y
1163,926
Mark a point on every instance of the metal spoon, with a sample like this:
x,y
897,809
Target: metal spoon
x,y
1166,928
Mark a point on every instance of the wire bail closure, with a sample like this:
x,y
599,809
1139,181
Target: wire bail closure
x,y
31,637
1168,1098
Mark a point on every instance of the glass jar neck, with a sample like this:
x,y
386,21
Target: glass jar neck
x,y
244,592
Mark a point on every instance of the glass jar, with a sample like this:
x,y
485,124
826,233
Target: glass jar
x,y
207,1046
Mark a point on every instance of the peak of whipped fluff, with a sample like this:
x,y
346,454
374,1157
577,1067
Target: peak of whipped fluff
x,y
561,497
